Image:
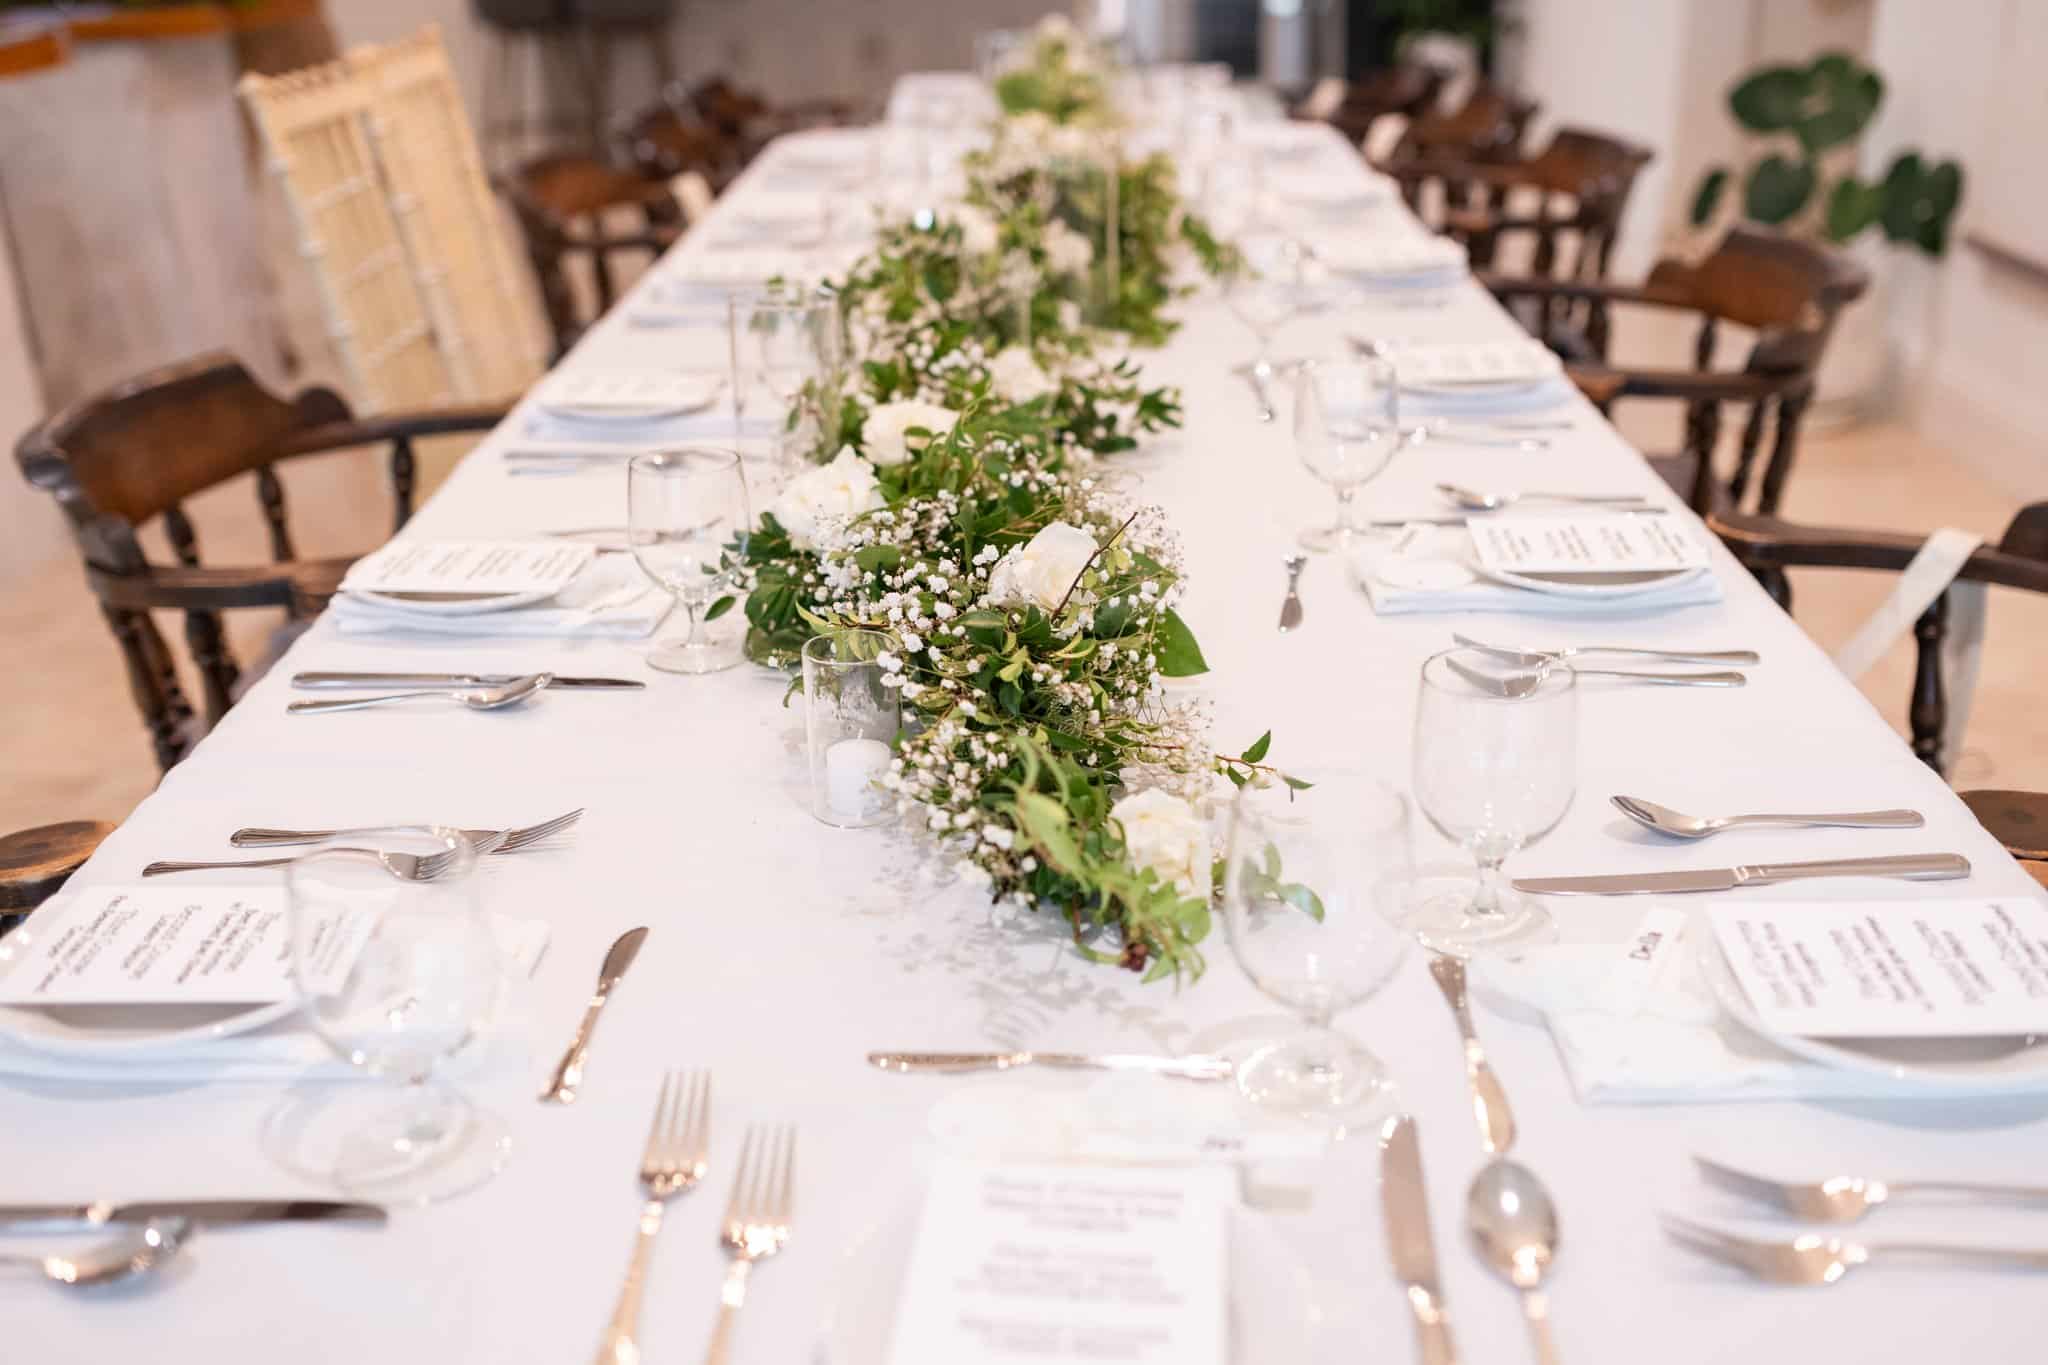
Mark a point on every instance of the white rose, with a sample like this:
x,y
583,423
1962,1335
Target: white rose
x,y
978,230
830,494
1067,252
1043,570
885,434
1015,377
1162,832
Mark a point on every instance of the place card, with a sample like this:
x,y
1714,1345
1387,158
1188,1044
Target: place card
x,y
1893,969
162,944
1068,1263
482,567
1595,544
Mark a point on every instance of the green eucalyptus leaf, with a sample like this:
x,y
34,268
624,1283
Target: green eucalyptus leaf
x,y
1259,748
1707,197
720,607
1778,188
1179,655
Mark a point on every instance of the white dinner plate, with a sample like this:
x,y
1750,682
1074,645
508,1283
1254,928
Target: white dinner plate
x,y
106,1032
628,397
454,603
1626,583
1977,1066
1273,1310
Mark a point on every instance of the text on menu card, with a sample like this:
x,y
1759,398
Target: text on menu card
x,y
1595,544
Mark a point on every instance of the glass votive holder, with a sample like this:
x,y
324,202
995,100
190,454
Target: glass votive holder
x,y
851,716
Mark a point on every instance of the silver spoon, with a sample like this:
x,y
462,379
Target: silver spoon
x,y
140,1252
1290,606
1516,686
1420,435
1533,657
475,698
1665,820
1515,1226
1478,500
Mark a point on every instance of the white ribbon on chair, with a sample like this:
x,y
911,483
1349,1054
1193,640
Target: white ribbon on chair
x,y
1932,572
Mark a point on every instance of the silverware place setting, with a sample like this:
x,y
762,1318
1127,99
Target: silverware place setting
x,y
453,680
1679,825
1515,686
1847,1198
1290,605
1489,1099
1534,657
675,1158
568,1075
1918,867
493,698
1189,1068
408,866
1478,500
1815,1259
1513,1222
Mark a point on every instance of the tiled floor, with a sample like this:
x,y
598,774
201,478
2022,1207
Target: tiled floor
x,y
74,748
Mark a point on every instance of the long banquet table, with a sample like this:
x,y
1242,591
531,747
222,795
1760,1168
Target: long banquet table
x,y
782,950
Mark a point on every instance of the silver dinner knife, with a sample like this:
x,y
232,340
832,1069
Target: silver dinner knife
x,y
1405,1204
569,1071
1191,1068
217,1212
1918,867
445,680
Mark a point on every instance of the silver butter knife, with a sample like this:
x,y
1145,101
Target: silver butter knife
x,y
445,680
1918,867
1397,523
217,1212
1290,606
1404,1203
569,1072
1190,1068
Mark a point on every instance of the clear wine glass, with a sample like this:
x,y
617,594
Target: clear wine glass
x,y
1313,888
397,968
1496,765
685,510
1266,294
785,344
1346,429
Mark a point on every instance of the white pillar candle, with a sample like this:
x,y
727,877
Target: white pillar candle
x,y
851,767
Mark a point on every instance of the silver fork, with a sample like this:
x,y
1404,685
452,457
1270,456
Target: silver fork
x,y
512,840
676,1157
1846,1198
1811,1259
756,1222
407,867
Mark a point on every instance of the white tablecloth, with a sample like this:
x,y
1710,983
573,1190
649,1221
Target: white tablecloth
x,y
782,950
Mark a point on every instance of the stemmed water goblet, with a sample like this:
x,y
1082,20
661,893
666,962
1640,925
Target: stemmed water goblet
x,y
1264,295
686,511
1496,765
781,341
1346,429
1314,882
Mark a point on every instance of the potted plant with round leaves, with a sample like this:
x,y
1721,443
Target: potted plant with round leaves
x,y
1807,121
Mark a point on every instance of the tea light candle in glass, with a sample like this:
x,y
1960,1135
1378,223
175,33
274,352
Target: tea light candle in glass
x,y
851,715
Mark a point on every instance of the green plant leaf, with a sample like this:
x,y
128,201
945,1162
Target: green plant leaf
x,y
1901,192
1844,96
1707,197
1778,188
1179,655
1258,749
720,607
1852,207
1771,100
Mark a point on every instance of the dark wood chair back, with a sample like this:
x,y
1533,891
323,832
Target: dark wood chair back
x,y
117,461
1410,91
665,141
562,203
1487,127
1770,545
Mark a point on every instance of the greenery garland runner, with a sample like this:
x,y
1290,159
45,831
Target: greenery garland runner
x,y
955,504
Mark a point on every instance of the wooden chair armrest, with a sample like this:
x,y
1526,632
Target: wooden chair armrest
x,y
35,862
1536,286
1776,543
304,585
1693,386
362,431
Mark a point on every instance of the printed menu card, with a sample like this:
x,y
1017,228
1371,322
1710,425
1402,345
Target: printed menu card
x,y
1607,543
164,944
1893,969
1068,1263
470,566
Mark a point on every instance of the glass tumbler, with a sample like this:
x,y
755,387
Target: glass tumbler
x,y
851,716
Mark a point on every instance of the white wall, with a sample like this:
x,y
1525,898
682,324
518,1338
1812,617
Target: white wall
x,y
31,529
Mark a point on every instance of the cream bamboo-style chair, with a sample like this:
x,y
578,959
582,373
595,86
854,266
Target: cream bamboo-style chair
x,y
317,141
480,301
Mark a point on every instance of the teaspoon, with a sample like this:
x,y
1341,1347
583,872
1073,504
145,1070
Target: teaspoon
x,y
141,1252
1678,824
1515,1226
1478,500
475,698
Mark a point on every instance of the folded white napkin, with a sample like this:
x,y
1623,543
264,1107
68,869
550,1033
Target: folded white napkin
x,y
1321,189
1477,365
540,436
286,1050
611,599
614,397
1433,573
1660,1041
1392,256
1487,401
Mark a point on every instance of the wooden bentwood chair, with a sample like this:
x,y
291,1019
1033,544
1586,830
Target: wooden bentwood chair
x,y
35,862
1787,292
1769,546
124,458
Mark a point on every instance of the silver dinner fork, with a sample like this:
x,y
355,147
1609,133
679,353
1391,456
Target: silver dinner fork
x,y
756,1222
511,840
1813,1259
675,1159
1846,1198
407,867
1519,686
